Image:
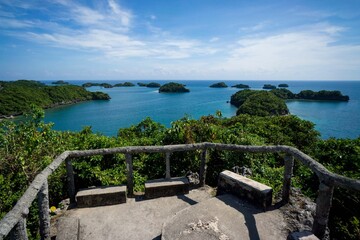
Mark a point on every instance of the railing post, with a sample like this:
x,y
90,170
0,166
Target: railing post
x,y
288,171
130,175
323,205
44,216
202,172
19,231
168,175
71,180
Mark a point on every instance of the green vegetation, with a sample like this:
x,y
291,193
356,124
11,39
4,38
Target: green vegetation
x,y
125,84
322,95
269,86
239,97
241,86
283,85
263,103
60,82
219,85
150,85
153,85
283,93
27,147
173,87
17,97
104,85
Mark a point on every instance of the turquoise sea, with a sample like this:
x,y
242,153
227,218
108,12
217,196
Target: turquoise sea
x,y
130,105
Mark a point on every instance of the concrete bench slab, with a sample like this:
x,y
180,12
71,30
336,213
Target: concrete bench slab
x,y
101,196
305,235
244,187
166,187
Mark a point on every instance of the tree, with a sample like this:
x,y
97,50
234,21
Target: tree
x,y
263,103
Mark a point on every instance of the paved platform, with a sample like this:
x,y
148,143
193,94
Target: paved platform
x,y
225,217
144,219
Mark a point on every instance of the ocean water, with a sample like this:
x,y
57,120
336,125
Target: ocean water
x,y
130,105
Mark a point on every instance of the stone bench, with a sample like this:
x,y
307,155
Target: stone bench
x,y
243,187
166,187
101,196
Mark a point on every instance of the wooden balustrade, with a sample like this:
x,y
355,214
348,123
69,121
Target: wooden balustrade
x,y
14,222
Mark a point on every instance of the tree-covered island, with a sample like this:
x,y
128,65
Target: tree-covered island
x,y
240,86
60,82
268,103
219,85
283,85
173,87
258,103
17,97
149,85
322,95
269,86
104,85
125,84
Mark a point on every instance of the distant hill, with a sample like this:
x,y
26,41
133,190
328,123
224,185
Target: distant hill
x,y
16,97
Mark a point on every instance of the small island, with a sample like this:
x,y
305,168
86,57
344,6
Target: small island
x,y
153,85
219,85
60,82
283,85
104,85
173,87
269,86
125,84
240,86
149,85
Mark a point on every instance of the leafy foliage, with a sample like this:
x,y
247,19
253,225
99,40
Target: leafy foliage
x,y
219,85
240,86
17,97
263,103
173,87
27,147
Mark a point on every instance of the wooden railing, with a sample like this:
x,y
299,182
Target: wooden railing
x,y
14,222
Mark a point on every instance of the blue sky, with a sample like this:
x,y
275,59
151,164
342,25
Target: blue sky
x,y
180,39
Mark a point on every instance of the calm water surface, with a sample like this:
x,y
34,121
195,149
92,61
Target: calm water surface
x,y
130,105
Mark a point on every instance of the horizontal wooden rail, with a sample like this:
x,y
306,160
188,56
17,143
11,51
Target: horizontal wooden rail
x,y
327,179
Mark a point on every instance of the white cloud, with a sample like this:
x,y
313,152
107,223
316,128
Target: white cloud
x,y
307,54
13,23
125,16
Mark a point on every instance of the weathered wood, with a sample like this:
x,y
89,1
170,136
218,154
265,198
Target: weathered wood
x,y
130,175
70,180
167,175
323,205
203,166
19,231
44,215
288,171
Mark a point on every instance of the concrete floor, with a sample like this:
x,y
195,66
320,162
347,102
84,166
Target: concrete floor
x,y
221,218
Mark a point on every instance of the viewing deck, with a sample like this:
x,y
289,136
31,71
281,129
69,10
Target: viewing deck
x,y
197,215
222,217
